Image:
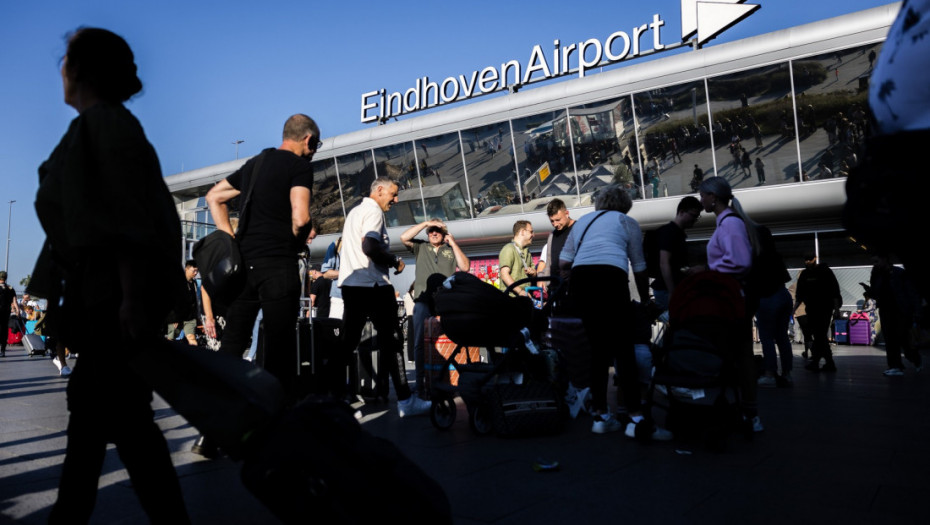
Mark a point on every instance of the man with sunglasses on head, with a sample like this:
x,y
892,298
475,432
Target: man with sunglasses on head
x,y
272,232
438,254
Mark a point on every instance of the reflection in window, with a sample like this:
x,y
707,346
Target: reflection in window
x,y
754,126
604,146
356,173
832,92
490,165
399,163
326,202
674,137
444,188
544,159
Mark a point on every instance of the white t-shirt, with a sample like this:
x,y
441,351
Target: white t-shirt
x,y
356,268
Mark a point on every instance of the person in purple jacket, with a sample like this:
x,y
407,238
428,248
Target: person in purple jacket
x,y
730,251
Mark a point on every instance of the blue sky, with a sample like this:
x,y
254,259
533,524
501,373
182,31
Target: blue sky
x,y
215,72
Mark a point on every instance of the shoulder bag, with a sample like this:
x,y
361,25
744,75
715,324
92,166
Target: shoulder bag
x,y
217,254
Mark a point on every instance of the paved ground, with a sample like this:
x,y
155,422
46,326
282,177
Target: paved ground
x,y
848,447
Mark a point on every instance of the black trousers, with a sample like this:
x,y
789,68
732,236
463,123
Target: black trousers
x,y
601,294
109,403
380,305
819,322
272,285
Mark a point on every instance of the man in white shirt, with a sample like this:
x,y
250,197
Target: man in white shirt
x,y
367,291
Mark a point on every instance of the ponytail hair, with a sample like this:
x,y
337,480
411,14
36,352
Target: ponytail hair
x,y
720,188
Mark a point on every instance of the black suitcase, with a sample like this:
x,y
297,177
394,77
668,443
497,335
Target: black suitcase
x,y
367,373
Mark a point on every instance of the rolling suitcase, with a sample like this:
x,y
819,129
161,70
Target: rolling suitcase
x,y
841,331
367,376
860,330
34,344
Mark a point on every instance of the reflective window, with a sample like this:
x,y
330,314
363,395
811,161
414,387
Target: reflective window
x,y
444,188
326,202
490,165
399,163
674,141
356,173
544,160
832,92
754,127
604,145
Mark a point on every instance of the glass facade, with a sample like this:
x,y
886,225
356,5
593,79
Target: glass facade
x,y
489,163
674,140
783,123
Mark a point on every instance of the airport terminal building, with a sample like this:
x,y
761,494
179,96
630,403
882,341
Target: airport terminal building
x,y
780,115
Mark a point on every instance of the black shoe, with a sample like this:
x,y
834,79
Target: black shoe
x,y
829,366
205,448
812,366
805,355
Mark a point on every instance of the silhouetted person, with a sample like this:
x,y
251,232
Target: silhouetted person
x,y
819,290
104,167
898,304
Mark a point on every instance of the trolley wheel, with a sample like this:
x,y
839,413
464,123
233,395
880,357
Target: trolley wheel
x,y
480,420
442,412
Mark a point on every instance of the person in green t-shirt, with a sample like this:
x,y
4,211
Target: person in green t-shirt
x,y
515,260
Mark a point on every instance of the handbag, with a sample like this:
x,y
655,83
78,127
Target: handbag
x,y
218,257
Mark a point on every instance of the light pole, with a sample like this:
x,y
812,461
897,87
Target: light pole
x,y
9,220
237,142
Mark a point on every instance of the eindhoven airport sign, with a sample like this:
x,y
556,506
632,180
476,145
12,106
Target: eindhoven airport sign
x,y
700,19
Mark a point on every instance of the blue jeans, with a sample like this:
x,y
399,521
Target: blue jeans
x,y
772,318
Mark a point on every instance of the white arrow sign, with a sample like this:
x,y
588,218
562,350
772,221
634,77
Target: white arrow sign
x,y
710,18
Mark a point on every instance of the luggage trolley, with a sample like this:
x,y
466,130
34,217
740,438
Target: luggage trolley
x,y
513,392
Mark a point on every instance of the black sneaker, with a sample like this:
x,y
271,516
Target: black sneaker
x,y
829,366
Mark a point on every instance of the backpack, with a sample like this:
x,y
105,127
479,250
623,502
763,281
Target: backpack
x,y
768,272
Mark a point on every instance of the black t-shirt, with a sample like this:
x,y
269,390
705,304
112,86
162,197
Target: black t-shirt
x,y
321,288
7,294
672,239
558,242
268,229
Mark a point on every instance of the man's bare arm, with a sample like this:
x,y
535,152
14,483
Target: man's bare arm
x,y
217,199
300,208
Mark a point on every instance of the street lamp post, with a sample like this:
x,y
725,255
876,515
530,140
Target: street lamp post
x,y
237,142
9,220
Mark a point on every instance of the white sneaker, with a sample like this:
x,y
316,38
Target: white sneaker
x,y
894,372
766,381
413,406
57,363
658,434
604,424
65,371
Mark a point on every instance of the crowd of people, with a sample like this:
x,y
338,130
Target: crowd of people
x,y
106,159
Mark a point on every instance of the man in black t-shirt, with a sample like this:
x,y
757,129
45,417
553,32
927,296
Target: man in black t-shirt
x,y
560,220
273,229
670,249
